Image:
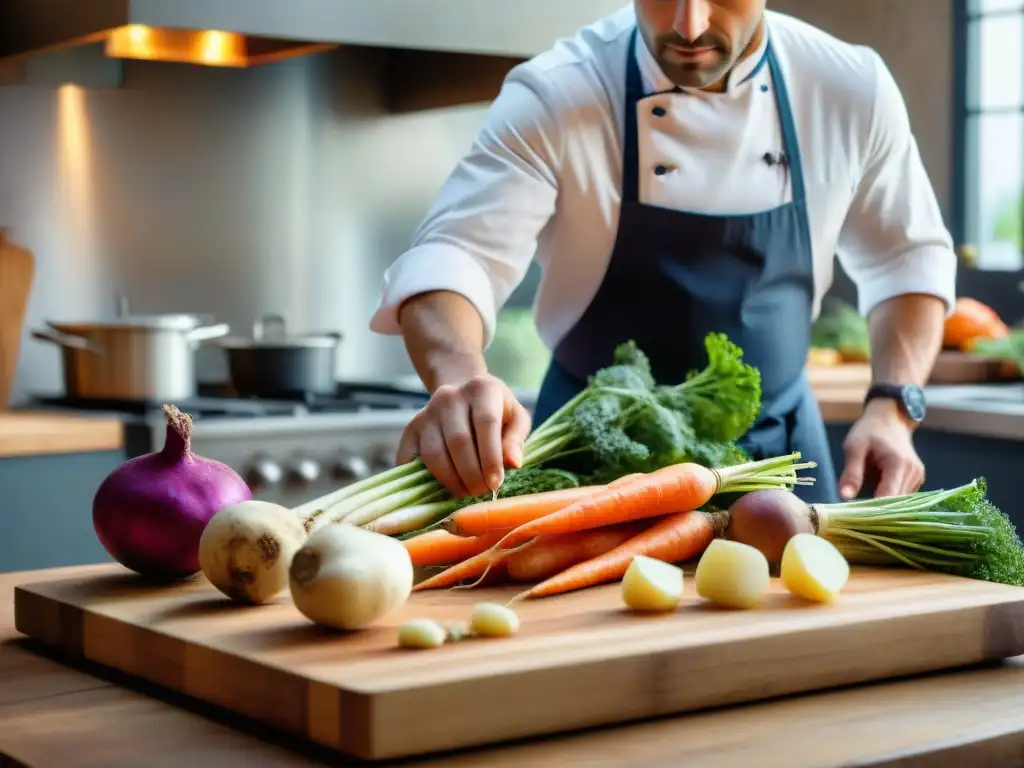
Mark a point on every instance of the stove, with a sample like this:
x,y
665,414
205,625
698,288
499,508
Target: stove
x,y
290,449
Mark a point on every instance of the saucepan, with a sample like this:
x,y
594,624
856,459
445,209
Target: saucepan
x,y
274,363
135,357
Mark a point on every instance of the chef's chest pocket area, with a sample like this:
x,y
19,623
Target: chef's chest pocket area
x,y
830,193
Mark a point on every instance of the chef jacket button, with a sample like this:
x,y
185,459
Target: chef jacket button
x,y
764,88
659,112
660,170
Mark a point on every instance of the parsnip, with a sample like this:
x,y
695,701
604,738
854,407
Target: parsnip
x,y
812,568
652,585
732,575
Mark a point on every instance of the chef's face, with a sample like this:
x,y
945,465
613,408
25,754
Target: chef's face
x,y
697,42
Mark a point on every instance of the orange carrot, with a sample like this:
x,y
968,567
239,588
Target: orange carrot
x,y
442,548
476,567
553,554
512,511
680,487
676,488
675,538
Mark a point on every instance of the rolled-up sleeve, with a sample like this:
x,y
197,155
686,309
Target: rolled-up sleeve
x,y
894,241
481,233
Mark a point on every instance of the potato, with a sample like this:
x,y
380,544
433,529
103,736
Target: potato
x,y
421,633
812,568
493,620
652,585
731,574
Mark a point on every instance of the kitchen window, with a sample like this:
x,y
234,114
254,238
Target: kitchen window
x,y
989,132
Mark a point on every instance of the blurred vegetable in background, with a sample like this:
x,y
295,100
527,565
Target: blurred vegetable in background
x,y
841,327
517,355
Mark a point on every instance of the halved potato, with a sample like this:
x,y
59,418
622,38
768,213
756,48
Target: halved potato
x,y
652,585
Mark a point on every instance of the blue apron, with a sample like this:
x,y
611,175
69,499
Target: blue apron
x,y
674,276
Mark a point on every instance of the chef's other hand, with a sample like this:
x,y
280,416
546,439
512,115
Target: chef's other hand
x,y
467,434
882,440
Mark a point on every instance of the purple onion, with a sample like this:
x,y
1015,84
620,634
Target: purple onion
x,y
150,512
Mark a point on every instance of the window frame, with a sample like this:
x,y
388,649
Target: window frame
x,y
965,150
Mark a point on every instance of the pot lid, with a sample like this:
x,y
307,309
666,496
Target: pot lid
x,y
128,320
268,332
169,322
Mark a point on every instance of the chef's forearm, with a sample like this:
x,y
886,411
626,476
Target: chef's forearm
x,y
906,335
444,336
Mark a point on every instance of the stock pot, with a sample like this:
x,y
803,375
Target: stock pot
x,y
136,357
275,363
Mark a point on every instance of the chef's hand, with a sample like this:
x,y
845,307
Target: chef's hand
x,y
881,440
467,434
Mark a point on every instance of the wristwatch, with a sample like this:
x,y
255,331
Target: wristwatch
x,y
909,397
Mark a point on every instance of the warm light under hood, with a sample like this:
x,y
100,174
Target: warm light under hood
x,y
209,47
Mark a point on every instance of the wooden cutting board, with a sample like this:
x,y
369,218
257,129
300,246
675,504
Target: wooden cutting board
x,y
17,270
579,660
950,368
964,368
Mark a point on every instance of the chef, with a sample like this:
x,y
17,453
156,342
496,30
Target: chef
x,y
676,168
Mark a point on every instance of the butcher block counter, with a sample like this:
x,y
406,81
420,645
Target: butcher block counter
x,y
53,714
31,433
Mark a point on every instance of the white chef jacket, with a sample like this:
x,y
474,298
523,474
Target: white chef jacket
x,y
543,177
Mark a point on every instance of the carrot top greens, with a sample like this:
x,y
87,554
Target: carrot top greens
x,y
622,422
957,531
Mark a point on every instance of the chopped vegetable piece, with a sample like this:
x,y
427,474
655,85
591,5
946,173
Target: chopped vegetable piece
x,y
812,568
732,575
493,620
652,585
422,634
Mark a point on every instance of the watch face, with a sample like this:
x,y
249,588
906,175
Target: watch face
x,y
913,401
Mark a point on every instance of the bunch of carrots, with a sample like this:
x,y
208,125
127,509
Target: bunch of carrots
x,y
573,538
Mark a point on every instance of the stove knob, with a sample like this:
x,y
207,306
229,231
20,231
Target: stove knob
x,y
350,467
263,473
383,458
304,470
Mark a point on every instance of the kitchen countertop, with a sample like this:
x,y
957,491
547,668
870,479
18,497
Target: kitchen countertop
x,y
59,716
32,433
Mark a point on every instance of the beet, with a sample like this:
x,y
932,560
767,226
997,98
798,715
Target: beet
x,y
767,520
150,512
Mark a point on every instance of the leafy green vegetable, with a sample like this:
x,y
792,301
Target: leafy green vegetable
x,y
841,327
622,422
957,531
1010,348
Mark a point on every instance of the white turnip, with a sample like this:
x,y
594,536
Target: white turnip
x,y
246,550
345,577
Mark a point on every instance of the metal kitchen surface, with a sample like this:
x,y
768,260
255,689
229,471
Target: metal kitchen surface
x,y
289,449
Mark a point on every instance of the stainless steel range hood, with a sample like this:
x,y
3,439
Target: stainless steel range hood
x,y
243,32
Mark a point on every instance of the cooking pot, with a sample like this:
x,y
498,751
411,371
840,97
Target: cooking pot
x,y
136,357
275,364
